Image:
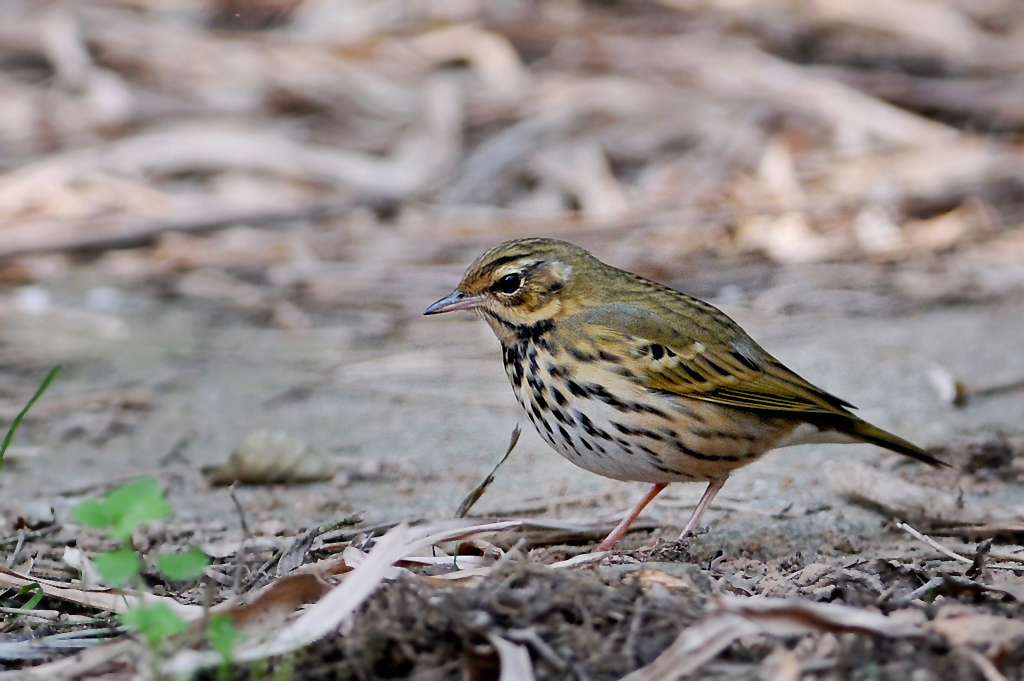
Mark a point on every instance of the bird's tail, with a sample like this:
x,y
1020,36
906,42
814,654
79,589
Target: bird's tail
x,y
865,432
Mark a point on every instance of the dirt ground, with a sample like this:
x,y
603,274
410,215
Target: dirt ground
x,y
224,220
418,415
410,418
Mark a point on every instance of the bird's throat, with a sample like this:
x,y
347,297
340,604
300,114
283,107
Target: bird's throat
x,y
511,333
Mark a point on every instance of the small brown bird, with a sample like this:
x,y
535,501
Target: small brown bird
x,y
634,381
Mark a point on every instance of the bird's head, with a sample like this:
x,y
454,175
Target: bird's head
x,y
523,282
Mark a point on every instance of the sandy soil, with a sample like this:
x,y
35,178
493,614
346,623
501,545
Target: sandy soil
x,y
428,401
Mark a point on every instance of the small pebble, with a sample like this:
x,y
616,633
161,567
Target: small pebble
x,y
32,300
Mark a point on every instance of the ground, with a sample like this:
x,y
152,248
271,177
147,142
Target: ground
x,y
410,421
223,220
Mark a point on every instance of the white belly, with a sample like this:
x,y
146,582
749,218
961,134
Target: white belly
x,y
617,430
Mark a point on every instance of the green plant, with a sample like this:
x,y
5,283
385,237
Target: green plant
x,y
124,509
154,623
33,601
34,588
118,514
21,415
222,636
35,594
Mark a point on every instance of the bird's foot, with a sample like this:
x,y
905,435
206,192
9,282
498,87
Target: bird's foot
x,y
690,534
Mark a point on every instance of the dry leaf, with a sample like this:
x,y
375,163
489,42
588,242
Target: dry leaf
x,y
266,458
649,577
101,599
515,660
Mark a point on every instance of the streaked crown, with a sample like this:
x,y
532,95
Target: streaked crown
x,y
524,281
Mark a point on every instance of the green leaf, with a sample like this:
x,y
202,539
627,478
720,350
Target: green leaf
x,y
133,492
37,595
93,513
134,503
154,623
125,508
222,634
143,512
182,565
17,419
118,567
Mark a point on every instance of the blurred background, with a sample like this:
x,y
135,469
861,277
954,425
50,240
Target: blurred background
x,y
226,216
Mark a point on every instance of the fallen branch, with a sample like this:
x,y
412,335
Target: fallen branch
x,y
126,230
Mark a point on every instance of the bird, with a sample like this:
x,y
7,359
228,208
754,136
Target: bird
x,y
635,381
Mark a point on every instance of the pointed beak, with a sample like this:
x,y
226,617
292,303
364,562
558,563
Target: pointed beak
x,y
456,300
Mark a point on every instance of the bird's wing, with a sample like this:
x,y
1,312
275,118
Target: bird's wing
x,y
706,357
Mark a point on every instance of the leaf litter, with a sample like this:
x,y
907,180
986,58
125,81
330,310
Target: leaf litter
x,y
387,606
306,156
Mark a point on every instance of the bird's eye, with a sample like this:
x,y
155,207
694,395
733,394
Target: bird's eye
x,y
508,284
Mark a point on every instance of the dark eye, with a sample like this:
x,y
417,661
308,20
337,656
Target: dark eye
x,y
508,284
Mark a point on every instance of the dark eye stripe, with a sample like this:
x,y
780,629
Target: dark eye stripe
x,y
495,264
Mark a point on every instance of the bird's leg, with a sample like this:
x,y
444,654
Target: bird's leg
x,y
713,488
621,528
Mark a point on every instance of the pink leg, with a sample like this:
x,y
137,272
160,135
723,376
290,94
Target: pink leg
x,y
621,528
713,488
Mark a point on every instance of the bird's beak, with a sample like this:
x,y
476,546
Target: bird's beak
x,y
456,300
